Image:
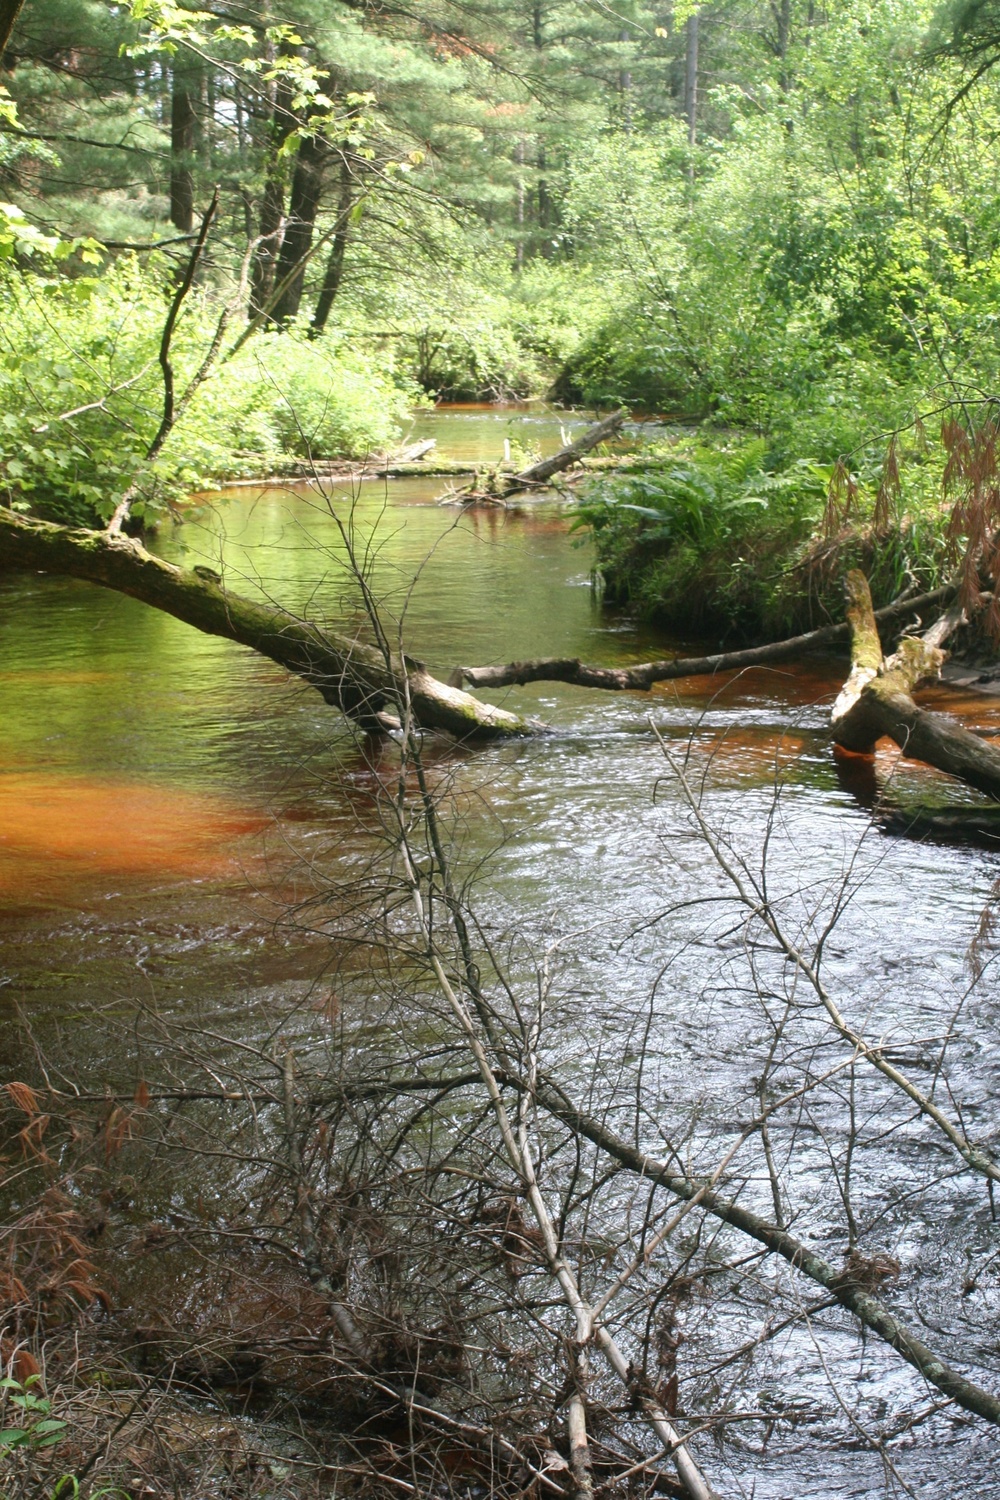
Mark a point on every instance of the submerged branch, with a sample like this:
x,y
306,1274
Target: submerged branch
x,y
643,675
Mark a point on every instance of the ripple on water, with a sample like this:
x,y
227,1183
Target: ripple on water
x,y
143,765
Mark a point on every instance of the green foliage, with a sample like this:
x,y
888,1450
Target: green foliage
x,y
33,1426
731,542
320,399
833,258
523,208
81,394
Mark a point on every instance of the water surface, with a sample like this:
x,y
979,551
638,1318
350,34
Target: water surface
x,y
166,796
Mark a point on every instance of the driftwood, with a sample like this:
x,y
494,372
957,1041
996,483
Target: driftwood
x,y
350,674
413,452
543,471
642,676
500,484
876,700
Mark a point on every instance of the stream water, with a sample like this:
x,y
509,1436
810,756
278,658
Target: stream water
x,y
162,792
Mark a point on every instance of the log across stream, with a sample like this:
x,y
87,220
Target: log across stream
x,y
164,795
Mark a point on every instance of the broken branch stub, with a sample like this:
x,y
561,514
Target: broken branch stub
x,y
876,701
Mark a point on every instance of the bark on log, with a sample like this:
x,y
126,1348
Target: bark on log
x,y
350,674
645,674
876,700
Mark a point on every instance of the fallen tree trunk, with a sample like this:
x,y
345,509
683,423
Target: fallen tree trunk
x,y
876,701
642,676
543,471
500,483
413,452
350,674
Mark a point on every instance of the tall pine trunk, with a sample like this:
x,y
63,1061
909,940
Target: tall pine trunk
x,y
272,208
335,264
303,205
691,78
183,117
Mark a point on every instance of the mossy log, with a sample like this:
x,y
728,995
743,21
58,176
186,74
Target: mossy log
x,y
351,674
876,700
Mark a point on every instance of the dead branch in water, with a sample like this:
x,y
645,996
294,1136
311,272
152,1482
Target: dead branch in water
x,y
877,699
644,675
501,485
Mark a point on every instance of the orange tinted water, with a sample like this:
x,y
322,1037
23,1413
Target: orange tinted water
x,y
56,830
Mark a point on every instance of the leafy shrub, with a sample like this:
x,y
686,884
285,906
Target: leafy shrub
x,y
30,1423
81,393
729,542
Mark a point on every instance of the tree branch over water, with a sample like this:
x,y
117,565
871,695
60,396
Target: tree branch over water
x,y
645,675
350,674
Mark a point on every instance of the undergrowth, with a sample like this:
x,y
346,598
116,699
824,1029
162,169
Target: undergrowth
x,y
730,543
81,393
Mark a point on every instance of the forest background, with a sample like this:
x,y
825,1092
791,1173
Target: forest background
x,y
777,221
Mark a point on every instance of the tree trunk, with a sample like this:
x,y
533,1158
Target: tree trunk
x,y
691,78
782,12
303,205
546,467
9,12
544,200
625,88
876,700
350,674
183,84
272,208
335,264
519,248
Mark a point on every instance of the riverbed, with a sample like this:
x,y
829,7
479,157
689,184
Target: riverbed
x,y
165,797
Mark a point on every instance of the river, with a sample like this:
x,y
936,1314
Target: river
x,y
165,796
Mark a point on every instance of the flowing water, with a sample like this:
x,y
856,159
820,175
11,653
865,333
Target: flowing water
x,y
162,794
